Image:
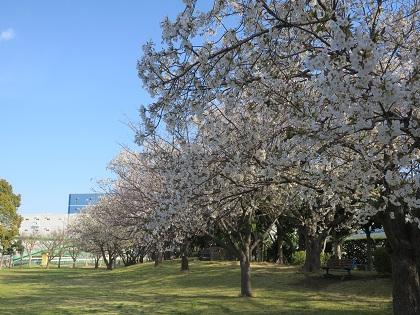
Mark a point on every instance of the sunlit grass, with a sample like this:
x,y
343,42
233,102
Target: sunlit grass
x,y
209,288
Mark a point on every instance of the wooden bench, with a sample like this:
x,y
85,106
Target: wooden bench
x,y
343,264
204,254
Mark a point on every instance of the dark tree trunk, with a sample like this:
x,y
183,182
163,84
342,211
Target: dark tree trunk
x,y
280,242
240,244
245,273
109,262
59,262
141,258
74,263
280,255
301,238
130,260
158,258
97,262
109,265
313,253
258,252
184,256
404,239
405,290
369,250
184,263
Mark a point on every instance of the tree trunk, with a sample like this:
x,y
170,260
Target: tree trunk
x,y
111,262
74,263
369,250
125,259
59,262
405,290
184,256
301,238
109,265
141,258
279,240
158,258
313,253
108,261
30,260
337,250
184,263
264,253
258,253
280,255
96,262
245,273
324,245
403,239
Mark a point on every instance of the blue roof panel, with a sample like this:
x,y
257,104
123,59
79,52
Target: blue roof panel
x,y
79,201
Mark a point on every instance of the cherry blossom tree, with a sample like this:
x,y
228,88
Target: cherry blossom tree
x,y
52,245
29,242
74,251
217,183
341,80
136,191
92,233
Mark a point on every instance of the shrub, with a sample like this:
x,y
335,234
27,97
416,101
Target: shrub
x,y
358,249
382,260
290,243
298,258
324,258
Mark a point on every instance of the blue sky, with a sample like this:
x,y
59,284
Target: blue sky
x,y
68,85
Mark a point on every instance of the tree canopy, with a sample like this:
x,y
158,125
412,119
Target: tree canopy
x,y
316,100
9,218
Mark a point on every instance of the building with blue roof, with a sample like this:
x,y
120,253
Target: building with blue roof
x,y
79,201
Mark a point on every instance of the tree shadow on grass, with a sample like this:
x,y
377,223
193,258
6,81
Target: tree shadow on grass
x,y
160,303
207,289
324,282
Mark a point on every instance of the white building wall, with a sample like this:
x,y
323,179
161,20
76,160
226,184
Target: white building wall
x,y
43,224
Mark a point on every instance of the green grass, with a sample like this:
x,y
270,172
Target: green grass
x,y
209,288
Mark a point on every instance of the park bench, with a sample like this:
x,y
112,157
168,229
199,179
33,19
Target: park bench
x,y
204,254
212,253
343,264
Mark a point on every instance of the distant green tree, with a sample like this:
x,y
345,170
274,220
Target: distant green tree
x,y
9,218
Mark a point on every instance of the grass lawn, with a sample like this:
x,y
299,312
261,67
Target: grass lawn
x,y
209,288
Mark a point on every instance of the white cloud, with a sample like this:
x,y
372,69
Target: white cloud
x,y
7,34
